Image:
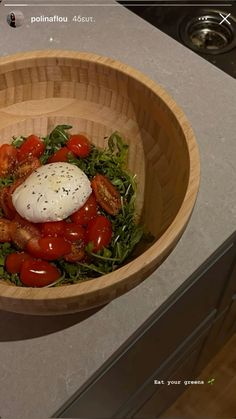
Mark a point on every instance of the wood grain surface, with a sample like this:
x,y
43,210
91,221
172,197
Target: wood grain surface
x,y
216,400
98,95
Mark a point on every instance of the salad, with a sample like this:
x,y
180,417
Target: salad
x,y
67,209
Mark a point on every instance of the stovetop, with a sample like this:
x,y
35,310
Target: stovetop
x,y
209,29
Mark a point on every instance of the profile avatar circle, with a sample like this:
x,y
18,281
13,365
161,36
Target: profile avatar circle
x,y
15,19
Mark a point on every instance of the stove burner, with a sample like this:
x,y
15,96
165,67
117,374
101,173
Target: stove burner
x,y
207,34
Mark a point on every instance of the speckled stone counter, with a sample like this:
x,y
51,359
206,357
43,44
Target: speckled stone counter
x,y
45,360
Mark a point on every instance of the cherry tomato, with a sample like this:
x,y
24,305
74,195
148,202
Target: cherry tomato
x,y
79,145
99,231
74,232
77,252
8,159
24,232
31,147
60,155
7,229
14,261
6,203
54,228
106,194
49,248
38,273
86,212
26,167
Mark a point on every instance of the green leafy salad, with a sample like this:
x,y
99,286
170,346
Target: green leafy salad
x,y
89,232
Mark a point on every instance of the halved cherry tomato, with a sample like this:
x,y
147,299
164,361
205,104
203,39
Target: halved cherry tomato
x,y
24,232
7,229
15,185
22,235
77,252
60,155
31,147
22,222
14,261
79,145
6,198
54,228
6,203
49,248
86,212
8,159
9,209
106,194
74,232
38,273
26,167
99,231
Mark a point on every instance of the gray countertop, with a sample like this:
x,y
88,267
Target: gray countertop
x,y
45,360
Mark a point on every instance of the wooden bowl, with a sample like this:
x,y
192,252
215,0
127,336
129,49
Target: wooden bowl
x,y
98,95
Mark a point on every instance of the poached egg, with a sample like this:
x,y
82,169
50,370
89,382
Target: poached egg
x,y
52,193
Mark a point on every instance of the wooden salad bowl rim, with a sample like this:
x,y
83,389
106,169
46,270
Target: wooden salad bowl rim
x,y
101,290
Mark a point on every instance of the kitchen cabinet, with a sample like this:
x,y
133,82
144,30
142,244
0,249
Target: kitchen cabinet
x,y
175,343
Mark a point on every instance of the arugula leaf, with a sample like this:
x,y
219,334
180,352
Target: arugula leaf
x,y
6,181
119,147
18,141
59,135
6,249
54,141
